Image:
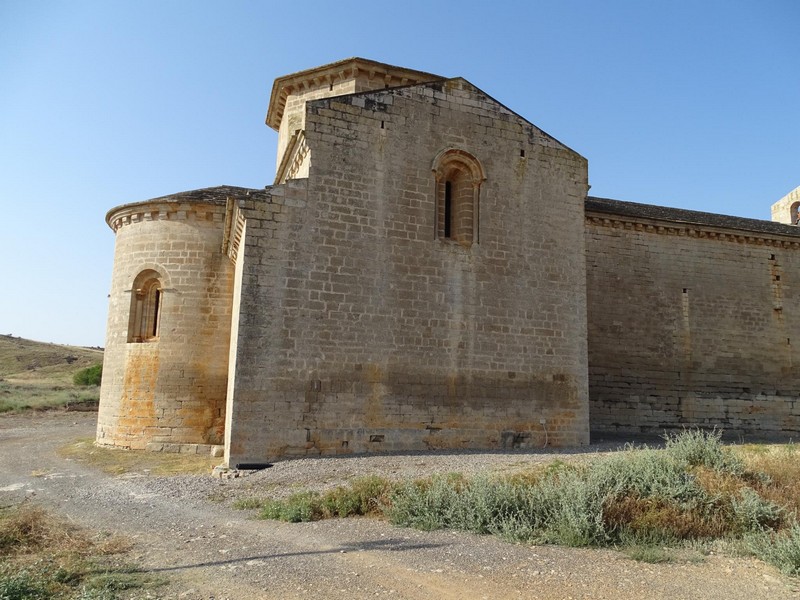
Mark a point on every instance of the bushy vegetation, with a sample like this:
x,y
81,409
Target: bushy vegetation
x,y
89,376
42,558
645,494
781,549
643,500
364,496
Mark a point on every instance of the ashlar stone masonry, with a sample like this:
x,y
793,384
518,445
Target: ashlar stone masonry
x,y
417,278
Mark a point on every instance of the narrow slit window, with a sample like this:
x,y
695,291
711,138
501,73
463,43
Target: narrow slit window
x,y
156,303
146,308
458,178
448,209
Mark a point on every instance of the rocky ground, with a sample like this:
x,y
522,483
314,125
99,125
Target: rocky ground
x,y
185,528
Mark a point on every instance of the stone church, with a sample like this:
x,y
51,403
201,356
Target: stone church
x,y
427,271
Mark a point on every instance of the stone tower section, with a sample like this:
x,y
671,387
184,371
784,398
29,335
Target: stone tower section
x,y
785,210
166,358
422,288
287,107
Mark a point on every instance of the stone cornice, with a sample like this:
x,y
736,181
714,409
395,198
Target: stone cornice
x,y
196,204
664,227
164,211
342,70
682,222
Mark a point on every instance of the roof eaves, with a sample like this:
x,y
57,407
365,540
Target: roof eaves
x,y
688,217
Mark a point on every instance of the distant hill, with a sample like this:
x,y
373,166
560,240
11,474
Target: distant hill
x,y
26,360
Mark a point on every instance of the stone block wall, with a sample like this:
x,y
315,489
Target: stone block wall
x,y
692,324
360,331
170,389
290,94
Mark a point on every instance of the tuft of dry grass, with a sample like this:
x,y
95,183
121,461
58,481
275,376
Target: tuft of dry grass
x,y
42,556
531,475
718,483
780,463
659,519
118,461
28,529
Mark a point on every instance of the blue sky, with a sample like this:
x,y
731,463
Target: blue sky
x,y
688,104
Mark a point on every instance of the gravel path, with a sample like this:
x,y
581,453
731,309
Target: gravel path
x,y
185,528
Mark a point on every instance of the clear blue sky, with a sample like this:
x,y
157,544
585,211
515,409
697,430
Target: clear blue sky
x,y
693,104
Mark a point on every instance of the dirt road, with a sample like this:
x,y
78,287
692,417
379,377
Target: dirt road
x,y
210,551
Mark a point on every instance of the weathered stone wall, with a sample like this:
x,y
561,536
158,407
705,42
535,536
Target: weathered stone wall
x,y
290,94
692,324
171,389
295,110
359,331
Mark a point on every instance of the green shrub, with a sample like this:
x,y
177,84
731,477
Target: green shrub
x,y
300,507
21,584
425,505
644,490
646,493
88,376
649,502
649,553
753,513
696,447
779,549
559,508
364,496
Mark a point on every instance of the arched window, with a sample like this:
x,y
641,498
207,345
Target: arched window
x,y
458,177
146,304
794,211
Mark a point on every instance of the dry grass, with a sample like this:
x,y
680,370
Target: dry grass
x,y
717,483
42,395
658,519
119,461
44,557
27,529
781,464
27,360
